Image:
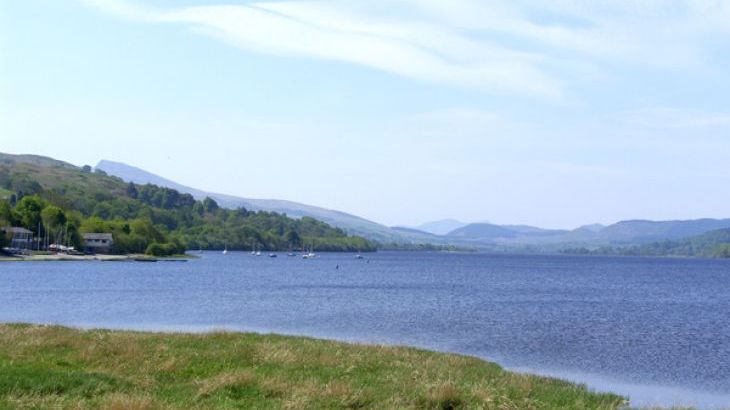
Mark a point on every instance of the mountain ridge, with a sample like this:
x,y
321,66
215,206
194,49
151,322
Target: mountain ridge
x,y
480,234
352,224
628,232
441,226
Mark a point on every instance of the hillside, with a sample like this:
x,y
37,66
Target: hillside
x,y
624,233
642,231
351,224
483,232
713,244
61,197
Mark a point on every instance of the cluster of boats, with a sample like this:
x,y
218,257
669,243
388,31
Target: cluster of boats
x,y
306,255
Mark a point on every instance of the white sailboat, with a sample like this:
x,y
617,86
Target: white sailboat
x,y
310,254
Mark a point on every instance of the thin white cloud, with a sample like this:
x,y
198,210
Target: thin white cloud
x,y
326,30
675,118
655,33
533,47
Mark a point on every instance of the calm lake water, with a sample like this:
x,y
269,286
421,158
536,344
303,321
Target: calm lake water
x,y
657,330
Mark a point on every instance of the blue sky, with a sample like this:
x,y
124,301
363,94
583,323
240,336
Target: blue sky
x,y
554,113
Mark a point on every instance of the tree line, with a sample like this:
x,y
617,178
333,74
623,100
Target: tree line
x,y
713,244
152,219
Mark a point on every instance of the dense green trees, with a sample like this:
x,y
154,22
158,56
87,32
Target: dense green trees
x,y
53,217
20,183
28,211
6,220
5,214
146,218
209,205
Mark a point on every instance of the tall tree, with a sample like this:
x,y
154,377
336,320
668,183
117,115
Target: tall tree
x,y
132,191
54,219
210,205
4,239
6,218
29,211
292,239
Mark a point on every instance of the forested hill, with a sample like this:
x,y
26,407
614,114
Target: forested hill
x,y
66,200
713,244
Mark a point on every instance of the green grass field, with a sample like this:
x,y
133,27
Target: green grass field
x,y
57,367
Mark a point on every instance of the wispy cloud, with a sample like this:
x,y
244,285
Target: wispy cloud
x,y
668,118
500,46
416,49
649,32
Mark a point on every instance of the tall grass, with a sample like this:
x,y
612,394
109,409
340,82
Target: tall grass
x,y
57,367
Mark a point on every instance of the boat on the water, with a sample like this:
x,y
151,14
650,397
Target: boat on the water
x,y
310,254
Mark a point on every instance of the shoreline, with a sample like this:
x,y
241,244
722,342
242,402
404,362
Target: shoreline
x,y
195,255
217,369
96,258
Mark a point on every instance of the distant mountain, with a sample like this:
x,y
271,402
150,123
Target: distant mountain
x,y
712,244
591,228
642,231
483,232
413,231
623,233
352,224
441,227
485,236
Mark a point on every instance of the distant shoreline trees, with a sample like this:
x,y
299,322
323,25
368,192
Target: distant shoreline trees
x,y
151,219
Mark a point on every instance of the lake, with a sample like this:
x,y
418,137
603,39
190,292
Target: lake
x,y
657,330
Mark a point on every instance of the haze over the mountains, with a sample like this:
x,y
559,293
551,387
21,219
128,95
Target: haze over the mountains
x,y
449,231
441,227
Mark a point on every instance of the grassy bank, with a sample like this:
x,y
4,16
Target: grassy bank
x,y
57,367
